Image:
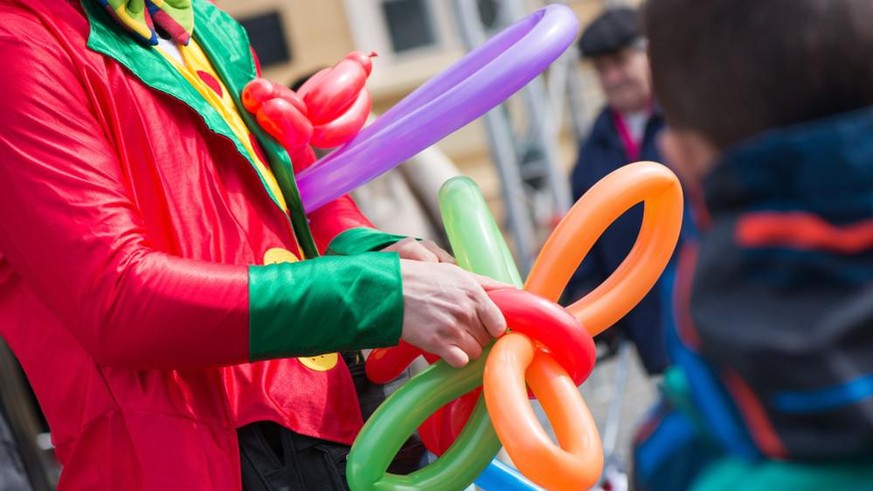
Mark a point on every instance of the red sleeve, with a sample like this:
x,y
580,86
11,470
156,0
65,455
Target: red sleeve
x,y
70,231
334,218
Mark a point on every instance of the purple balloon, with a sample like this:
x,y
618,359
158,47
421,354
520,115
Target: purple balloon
x,y
471,87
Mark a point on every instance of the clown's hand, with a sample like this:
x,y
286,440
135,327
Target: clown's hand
x,y
425,250
447,312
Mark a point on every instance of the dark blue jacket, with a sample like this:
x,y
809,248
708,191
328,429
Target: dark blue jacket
x,y
782,295
601,153
774,346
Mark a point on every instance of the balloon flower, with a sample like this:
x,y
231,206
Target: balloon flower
x,y
548,349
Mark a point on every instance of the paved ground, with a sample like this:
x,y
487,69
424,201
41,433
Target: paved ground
x,y
639,394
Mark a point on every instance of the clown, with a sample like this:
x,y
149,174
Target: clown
x,y
151,274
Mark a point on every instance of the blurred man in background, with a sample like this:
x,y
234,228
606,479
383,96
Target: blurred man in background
x,y
625,131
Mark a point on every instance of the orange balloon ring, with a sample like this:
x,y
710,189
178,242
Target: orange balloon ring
x,y
578,462
647,182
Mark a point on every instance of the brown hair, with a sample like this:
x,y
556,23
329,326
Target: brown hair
x,y
730,69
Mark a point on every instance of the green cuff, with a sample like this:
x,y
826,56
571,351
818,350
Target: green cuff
x,y
324,305
358,240
676,390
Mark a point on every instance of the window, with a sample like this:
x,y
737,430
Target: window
x,y
489,10
410,24
268,38
399,29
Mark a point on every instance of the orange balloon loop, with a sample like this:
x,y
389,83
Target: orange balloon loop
x,y
647,182
515,359
578,462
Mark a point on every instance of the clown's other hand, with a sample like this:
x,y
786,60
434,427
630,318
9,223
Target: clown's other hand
x,y
425,251
447,312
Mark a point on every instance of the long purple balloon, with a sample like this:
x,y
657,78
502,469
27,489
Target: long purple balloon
x,y
468,89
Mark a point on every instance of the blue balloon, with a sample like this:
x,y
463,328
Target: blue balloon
x,y
500,477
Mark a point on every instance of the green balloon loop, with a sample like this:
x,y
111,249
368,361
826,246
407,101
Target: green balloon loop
x,y
405,410
479,247
475,237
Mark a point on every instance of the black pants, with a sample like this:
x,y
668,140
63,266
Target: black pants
x,y
371,395
274,458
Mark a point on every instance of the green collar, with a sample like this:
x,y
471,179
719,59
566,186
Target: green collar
x,y
226,44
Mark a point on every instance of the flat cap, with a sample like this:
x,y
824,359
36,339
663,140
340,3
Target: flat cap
x,y
613,30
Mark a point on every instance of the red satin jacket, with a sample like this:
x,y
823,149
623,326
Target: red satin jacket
x,y
129,224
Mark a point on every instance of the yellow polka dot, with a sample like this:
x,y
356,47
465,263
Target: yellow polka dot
x,y
320,363
278,255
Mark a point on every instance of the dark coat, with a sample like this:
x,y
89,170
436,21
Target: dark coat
x,y
782,296
601,153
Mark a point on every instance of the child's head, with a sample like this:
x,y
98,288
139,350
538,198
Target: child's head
x,y
726,70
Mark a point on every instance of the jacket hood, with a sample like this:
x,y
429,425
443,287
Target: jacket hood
x,y
823,167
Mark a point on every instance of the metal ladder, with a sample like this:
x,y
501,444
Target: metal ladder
x,y
533,183
20,414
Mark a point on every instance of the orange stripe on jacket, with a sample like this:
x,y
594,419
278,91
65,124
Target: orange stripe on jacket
x,y
685,326
755,416
805,231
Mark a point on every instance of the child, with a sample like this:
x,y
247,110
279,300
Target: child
x,y
769,112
